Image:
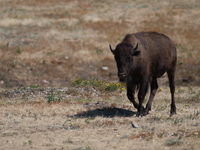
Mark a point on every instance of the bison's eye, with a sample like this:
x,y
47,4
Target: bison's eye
x,y
129,60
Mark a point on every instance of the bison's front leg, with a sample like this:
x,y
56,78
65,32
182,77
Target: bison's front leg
x,y
130,96
141,96
131,91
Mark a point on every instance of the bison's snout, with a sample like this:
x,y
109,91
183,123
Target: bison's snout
x,y
122,76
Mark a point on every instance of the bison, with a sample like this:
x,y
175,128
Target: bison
x,y
141,58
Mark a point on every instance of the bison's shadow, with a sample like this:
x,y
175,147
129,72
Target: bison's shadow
x,y
106,112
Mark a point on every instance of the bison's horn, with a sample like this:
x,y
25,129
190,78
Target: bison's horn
x,y
113,51
134,51
136,47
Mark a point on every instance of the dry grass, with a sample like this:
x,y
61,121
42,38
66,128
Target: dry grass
x,y
36,40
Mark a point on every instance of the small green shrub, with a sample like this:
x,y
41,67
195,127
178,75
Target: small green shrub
x,y
160,135
20,50
52,97
30,142
34,86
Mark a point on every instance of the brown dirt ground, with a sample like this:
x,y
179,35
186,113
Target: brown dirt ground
x,y
50,43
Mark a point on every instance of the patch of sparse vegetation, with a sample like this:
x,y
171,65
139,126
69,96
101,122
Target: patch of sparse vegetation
x,y
192,98
74,126
187,106
193,116
178,120
196,98
68,141
191,90
81,100
155,118
180,90
80,82
9,134
102,85
114,86
99,50
160,135
161,107
172,142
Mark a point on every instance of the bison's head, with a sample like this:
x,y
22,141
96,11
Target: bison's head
x,y
124,53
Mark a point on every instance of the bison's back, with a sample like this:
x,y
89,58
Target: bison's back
x,y
158,51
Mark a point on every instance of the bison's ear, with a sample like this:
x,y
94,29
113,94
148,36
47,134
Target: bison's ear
x,y
135,52
113,51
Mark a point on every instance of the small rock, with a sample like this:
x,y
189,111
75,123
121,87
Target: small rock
x,y
134,124
66,57
45,81
105,68
93,94
2,82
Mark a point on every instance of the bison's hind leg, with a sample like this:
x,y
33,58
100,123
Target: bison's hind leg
x,y
154,87
171,75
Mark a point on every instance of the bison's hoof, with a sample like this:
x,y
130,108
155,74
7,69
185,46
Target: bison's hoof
x,y
138,115
146,111
140,112
173,112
